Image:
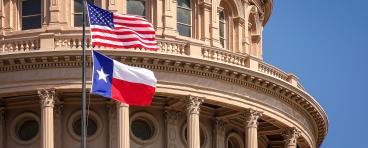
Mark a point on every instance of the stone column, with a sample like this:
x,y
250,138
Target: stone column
x,y
111,113
290,136
193,132
2,126
251,123
219,133
171,126
123,125
47,101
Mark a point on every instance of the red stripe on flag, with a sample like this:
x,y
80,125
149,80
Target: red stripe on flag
x,y
118,46
132,93
125,39
120,32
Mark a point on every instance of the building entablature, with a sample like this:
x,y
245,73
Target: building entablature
x,y
176,58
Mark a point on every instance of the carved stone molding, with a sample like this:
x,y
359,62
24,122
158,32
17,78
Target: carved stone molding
x,y
172,116
59,106
47,97
251,118
290,136
193,105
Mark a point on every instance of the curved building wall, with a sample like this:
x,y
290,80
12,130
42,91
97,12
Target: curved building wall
x,y
213,91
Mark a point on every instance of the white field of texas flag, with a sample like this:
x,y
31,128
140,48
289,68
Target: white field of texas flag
x,y
124,83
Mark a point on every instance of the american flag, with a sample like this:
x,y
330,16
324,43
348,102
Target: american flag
x,y
120,31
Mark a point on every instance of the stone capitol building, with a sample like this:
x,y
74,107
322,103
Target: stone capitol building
x,y
214,90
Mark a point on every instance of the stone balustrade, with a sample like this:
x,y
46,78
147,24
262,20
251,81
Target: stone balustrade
x,y
272,71
224,56
12,45
72,40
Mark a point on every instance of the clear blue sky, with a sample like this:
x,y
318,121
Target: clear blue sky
x,y
325,43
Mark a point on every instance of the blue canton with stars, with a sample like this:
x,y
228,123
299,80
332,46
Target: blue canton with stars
x,y
101,17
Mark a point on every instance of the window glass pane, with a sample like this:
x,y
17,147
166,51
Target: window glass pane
x,y
222,16
184,30
78,5
31,7
32,22
28,130
141,129
184,3
136,7
78,20
91,128
184,16
222,29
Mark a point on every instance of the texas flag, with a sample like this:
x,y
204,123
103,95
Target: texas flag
x,y
124,83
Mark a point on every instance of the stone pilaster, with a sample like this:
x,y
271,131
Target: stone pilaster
x,y
54,15
2,126
58,110
215,36
47,101
219,133
169,18
205,24
251,123
118,6
123,125
2,15
171,125
112,119
193,108
290,136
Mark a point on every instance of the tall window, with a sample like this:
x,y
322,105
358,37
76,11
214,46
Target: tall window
x,y
222,28
136,7
184,18
78,12
31,14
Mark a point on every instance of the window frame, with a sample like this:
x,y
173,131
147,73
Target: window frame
x,y
20,6
73,13
191,18
225,23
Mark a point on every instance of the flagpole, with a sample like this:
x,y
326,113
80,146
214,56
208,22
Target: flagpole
x,y
84,131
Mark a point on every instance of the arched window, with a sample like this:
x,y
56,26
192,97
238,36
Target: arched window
x,y
222,28
31,14
78,12
136,7
233,140
184,18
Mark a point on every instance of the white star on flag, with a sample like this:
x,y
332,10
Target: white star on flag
x,y
102,75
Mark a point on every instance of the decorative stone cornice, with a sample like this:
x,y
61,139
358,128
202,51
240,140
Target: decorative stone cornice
x,y
290,136
172,116
193,104
47,97
259,81
251,118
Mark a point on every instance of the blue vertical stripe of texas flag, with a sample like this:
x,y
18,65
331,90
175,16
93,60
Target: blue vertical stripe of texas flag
x,y
105,63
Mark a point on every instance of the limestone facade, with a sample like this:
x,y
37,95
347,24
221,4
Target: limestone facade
x,y
214,89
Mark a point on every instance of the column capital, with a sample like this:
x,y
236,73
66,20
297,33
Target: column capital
x,y
2,113
47,97
251,117
193,104
291,135
172,116
219,126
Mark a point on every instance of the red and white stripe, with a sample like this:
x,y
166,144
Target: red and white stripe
x,y
128,32
133,85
